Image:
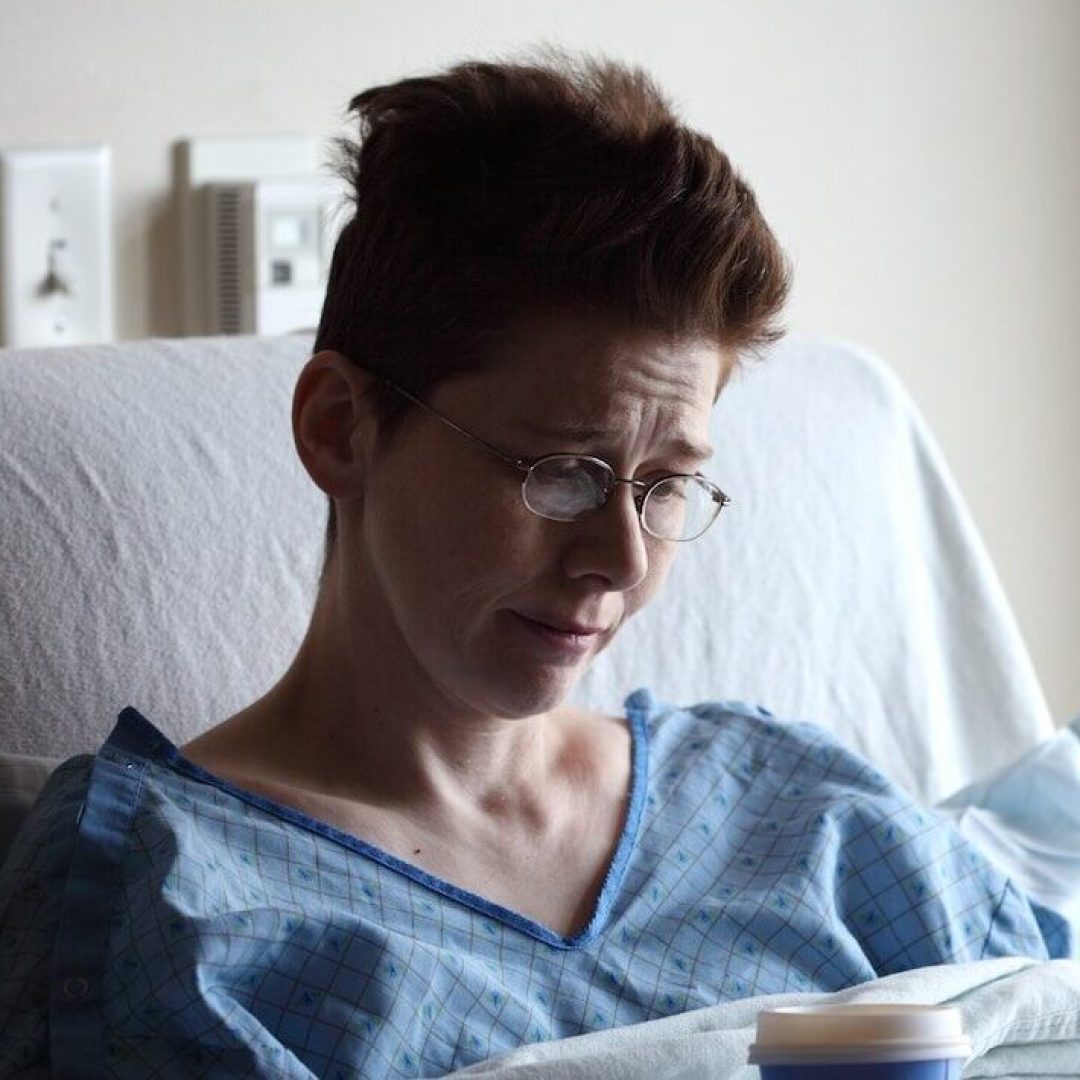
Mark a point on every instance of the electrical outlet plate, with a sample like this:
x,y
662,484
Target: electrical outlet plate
x,y
55,245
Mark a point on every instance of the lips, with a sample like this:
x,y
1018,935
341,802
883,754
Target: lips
x,y
566,625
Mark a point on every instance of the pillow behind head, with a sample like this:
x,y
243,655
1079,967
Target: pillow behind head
x,y
21,779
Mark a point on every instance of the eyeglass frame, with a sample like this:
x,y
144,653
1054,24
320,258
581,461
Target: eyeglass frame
x,y
526,465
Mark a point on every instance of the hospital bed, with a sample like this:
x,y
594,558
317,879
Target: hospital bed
x,y
160,545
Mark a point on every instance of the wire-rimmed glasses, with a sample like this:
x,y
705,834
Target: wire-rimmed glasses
x,y
571,487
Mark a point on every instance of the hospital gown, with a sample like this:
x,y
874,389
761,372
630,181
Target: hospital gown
x,y
159,921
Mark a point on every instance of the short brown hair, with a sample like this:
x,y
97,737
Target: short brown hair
x,y
499,190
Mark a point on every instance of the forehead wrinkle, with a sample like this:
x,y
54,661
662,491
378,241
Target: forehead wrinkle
x,y
593,386
625,395
583,435
628,400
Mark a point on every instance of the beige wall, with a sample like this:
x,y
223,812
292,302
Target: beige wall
x,y
920,160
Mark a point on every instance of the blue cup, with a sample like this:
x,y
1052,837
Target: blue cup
x,y
860,1042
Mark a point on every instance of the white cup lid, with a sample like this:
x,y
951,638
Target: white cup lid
x,y
842,1034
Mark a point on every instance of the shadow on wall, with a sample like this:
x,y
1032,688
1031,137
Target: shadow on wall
x,y
165,288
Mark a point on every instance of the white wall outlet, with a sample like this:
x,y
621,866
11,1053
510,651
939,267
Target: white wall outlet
x,y
55,246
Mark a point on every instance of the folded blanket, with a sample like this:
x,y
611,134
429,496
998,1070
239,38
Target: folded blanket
x,y
1023,1018
1026,819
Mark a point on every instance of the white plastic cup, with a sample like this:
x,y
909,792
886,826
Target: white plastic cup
x,y
860,1042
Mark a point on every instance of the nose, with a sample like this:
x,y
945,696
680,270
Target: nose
x,y
610,543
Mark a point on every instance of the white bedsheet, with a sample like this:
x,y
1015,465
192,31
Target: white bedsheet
x,y
160,543
1023,1018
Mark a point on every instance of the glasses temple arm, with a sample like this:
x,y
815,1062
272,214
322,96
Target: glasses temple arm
x,y
518,463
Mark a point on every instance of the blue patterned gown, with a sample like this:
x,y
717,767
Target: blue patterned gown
x,y
159,921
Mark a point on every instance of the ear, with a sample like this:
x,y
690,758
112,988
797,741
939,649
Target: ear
x,y
333,424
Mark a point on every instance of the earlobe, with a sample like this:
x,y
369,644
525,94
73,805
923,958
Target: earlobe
x,y
330,421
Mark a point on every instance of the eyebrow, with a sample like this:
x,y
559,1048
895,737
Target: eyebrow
x,y
582,435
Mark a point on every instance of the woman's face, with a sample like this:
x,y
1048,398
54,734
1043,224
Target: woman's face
x,y
468,576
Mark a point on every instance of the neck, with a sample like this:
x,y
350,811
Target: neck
x,y
356,716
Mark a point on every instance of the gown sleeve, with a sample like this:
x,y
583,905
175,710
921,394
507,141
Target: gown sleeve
x,y
31,893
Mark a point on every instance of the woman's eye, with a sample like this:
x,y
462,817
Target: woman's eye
x,y
672,488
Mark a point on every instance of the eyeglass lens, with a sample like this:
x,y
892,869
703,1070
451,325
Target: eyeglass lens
x,y
569,488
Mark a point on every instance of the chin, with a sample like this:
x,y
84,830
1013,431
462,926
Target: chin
x,y
529,695
522,674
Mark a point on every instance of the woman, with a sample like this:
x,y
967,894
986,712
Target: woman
x,y
412,854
